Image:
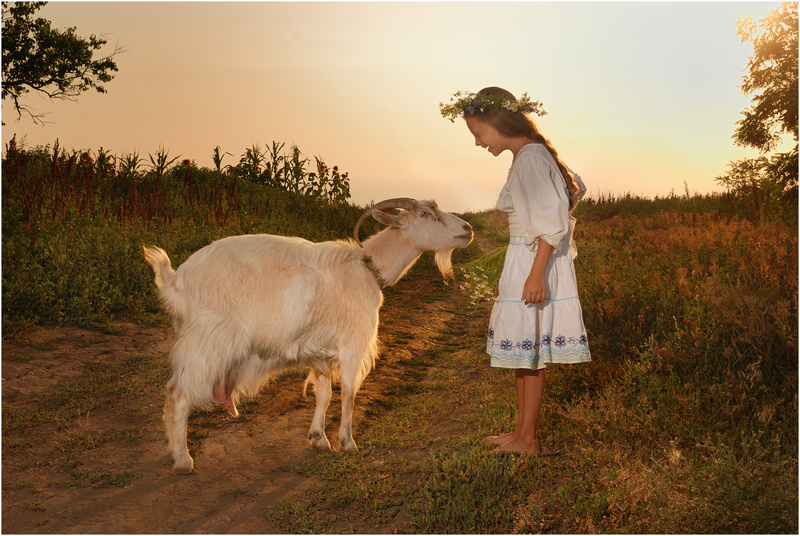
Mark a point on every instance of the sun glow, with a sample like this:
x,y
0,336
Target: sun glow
x,y
633,105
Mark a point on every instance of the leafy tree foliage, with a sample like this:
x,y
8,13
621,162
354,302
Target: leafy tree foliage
x,y
56,63
773,72
772,79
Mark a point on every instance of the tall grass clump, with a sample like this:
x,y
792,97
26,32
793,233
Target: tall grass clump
x,y
696,320
74,223
742,203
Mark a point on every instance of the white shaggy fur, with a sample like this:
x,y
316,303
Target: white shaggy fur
x,y
247,306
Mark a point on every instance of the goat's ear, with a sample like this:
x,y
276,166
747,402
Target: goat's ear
x,y
387,219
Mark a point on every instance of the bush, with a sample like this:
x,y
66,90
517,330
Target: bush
x,y
74,226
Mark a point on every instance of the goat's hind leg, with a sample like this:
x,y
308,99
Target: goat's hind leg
x,y
176,417
322,393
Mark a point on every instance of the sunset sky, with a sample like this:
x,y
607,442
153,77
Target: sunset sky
x,y
640,96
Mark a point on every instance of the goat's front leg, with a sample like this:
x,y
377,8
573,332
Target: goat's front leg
x,y
322,393
351,382
346,428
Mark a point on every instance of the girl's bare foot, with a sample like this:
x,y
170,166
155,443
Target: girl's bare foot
x,y
498,440
518,446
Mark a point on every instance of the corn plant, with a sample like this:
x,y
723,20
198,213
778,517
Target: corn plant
x,y
161,161
217,157
274,164
129,164
288,170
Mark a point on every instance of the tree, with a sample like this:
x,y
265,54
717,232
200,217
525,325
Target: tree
x,y
773,70
772,79
56,63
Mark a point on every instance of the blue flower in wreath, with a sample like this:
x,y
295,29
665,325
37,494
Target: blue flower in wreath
x,y
491,333
527,345
546,340
583,340
506,345
561,341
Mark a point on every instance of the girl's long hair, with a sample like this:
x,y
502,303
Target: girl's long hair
x,y
514,124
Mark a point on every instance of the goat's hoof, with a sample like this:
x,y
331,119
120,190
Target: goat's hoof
x,y
321,444
319,441
349,446
184,468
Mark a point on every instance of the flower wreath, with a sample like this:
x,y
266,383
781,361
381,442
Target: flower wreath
x,y
466,102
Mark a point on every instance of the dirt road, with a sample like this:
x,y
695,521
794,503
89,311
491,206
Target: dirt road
x,y
107,471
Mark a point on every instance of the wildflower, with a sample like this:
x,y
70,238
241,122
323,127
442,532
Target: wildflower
x,y
470,103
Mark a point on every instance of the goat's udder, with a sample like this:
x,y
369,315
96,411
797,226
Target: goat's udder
x,y
222,394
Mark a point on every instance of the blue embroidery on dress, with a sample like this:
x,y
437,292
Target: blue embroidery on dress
x,y
561,347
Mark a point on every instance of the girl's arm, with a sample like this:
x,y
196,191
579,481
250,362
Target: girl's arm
x,y
534,290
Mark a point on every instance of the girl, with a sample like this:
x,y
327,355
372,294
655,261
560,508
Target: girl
x,y
536,319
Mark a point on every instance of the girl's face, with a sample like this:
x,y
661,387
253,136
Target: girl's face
x,y
487,136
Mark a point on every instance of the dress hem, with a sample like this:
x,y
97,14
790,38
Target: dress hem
x,y
527,367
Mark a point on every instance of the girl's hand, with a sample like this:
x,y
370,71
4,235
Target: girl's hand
x,y
534,290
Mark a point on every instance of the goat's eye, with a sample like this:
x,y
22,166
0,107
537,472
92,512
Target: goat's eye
x,y
423,214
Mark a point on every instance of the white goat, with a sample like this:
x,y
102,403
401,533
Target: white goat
x,y
247,306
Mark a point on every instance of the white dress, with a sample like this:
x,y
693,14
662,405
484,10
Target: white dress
x,y
532,336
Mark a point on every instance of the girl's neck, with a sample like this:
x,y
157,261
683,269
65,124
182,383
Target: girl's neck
x,y
517,144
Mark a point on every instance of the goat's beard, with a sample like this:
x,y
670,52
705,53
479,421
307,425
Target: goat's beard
x,y
444,262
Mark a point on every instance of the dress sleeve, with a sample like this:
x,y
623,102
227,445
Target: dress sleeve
x,y
538,197
581,186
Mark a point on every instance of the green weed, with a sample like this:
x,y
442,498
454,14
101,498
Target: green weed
x,y
102,479
468,491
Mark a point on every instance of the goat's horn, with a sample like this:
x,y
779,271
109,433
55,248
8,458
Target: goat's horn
x,y
389,204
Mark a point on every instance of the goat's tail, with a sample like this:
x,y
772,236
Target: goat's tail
x,y
165,275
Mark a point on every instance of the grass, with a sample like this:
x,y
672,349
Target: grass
x,y
685,420
102,386
103,479
74,226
